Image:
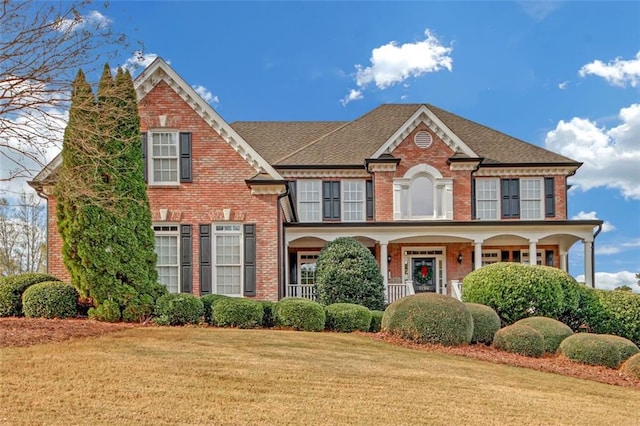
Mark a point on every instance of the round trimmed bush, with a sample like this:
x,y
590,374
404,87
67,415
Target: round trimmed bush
x,y
138,309
268,318
12,287
519,339
591,349
485,323
619,314
50,299
376,321
238,312
631,366
626,347
107,311
300,314
429,318
208,302
179,309
347,272
553,332
517,291
348,317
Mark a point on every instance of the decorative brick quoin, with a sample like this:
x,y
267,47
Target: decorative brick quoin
x,y
244,208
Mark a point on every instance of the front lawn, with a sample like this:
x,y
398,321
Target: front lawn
x,y
197,375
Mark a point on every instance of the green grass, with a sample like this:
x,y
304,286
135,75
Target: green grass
x,y
227,376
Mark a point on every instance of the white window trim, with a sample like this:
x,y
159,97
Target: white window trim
x,y
150,157
524,257
319,202
343,201
437,252
176,234
214,263
541,199
491,256
301,261
442,194
497,200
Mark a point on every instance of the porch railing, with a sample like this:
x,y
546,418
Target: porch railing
x,y
456,289
306,291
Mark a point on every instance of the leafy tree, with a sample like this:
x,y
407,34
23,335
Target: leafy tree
x,y
22,235
106,227
347,272
623,288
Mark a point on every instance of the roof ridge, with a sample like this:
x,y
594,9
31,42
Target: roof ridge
x,y
302,148
289,122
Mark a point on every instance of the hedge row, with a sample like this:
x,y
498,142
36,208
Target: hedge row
x,y
12,288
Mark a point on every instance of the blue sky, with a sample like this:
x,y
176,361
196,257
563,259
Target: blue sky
x,y
562,75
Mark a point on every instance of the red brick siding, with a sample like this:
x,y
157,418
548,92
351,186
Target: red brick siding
x,y
55,264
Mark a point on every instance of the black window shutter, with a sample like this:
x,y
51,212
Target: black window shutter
x,y
369,193
293,268
249,259
185,157
292,191
186,260
549,197
145,167
331,200
510,190
205,259
473,198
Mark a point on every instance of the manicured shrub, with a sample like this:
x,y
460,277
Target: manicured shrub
x,y
268,318
626,347
237,312
553,331
591,349
429,318
631,367
376,321
138,309
12,287
300,314
517,291
107,311
50,299
208,303
619,314
588,312
179,309
519,339
347,272
348,317
485,323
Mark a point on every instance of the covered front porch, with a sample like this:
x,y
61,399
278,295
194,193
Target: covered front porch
x,y
435,256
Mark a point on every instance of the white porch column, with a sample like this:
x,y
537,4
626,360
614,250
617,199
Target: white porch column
x,y
588,264
533,252
563,261
478,255
384,265
287,270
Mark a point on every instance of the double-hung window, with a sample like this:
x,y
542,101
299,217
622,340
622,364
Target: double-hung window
x,y
531,199
309,200
228,259
164,158
166,248
487,199
353,201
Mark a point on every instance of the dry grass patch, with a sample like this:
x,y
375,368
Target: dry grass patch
x,y
224,376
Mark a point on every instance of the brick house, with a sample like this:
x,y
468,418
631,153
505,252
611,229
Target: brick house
x,y
244,208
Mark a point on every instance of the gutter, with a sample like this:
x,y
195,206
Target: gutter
x,y
593,256
280,245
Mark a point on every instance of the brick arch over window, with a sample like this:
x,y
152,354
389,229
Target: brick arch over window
x,y
423,194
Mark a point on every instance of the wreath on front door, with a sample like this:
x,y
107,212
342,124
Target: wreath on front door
x,y
422,274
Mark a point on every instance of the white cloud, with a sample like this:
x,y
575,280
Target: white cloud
x,y
352,96
139,61
618,72
539,10
610,156
93,19
206,94
606,226
609,281
563,85
392,64
606,250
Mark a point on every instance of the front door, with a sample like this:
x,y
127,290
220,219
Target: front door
x,y
423,274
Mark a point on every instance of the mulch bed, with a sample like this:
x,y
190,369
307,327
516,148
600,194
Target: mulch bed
x,y
21,332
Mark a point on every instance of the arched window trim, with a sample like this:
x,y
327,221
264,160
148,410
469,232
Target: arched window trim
x,y
442,194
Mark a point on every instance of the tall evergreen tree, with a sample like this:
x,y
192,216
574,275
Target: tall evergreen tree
x,y
116,246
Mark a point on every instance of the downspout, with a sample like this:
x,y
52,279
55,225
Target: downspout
x,y
281,254
593,256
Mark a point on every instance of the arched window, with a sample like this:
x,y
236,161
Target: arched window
x,y
423,194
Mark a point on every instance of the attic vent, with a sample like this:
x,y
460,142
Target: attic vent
x,y
423,139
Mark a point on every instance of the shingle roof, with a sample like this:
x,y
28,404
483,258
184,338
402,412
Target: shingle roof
x,y
350,143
